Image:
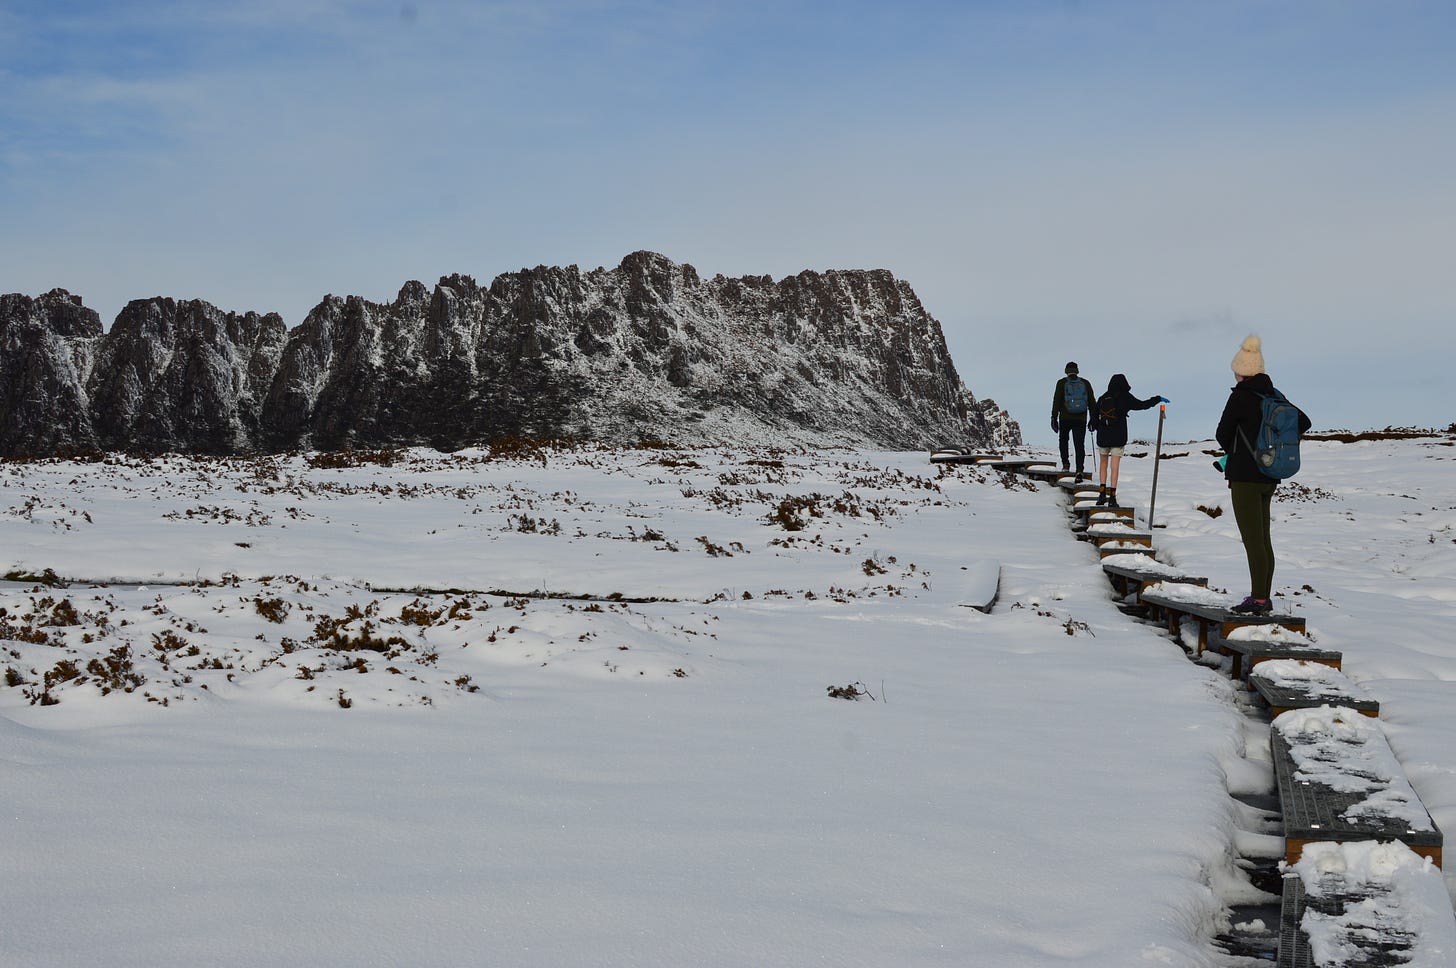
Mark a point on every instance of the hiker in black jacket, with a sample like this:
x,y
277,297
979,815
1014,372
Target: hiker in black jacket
x,y
1109,422
1250,491
1071,400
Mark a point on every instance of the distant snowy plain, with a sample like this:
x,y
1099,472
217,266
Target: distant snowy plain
x,y
572,706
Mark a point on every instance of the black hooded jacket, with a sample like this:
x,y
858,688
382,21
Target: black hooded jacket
x,y
1118,401
1238,428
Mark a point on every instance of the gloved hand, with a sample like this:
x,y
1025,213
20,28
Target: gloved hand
x,y
1055,426
1164,400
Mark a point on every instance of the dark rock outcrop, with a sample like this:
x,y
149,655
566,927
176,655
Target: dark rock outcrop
x,y
645,350
183,376
47,347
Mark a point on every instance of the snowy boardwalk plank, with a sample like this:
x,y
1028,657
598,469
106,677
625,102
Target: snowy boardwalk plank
x,y
981,585
1111,549
1252,645
1010,464
1074,487
1107,534
1091,516
960,455
1370,904
1087,508
1131,572
1174,602
1044,472
1339,781
1293,941
1287,684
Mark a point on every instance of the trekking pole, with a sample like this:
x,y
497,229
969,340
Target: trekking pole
x,y
1157,457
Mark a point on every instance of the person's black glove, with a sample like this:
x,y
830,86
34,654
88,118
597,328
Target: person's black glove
x,y
1055,426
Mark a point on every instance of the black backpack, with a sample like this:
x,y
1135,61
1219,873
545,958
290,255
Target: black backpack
x,y
1107,411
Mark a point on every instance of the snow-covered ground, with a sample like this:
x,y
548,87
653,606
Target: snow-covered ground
x,y
574,707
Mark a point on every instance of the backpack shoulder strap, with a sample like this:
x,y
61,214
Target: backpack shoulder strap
x,y
1263,398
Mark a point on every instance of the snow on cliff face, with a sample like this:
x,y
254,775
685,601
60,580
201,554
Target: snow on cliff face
x,y
47,349
645,350
183,376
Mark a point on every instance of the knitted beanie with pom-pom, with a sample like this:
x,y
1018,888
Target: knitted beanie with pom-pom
x,y
1249,360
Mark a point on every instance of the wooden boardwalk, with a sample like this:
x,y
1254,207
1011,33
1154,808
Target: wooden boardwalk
x,y
1345,799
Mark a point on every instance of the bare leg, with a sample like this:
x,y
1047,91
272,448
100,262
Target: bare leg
x,y
1112,481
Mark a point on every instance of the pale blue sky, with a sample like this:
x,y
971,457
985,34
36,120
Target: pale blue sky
x,y
1133,185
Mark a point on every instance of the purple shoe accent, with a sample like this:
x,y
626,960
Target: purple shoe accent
x,y
1253,606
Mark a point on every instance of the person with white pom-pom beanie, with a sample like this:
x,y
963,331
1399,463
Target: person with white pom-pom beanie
x,y
1250,491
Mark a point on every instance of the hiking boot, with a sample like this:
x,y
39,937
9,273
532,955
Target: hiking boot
x,y
1253,606
1065,469
1112,501
1102,500
1081,476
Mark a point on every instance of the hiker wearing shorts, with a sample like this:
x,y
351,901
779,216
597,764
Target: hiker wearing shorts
x,y
1250,491
1109,423
1071,400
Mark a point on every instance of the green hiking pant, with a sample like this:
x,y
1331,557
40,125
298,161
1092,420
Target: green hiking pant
x,y
1251,510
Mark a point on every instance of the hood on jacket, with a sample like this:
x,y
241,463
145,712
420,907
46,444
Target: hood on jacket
x,y
1118,384
1258,383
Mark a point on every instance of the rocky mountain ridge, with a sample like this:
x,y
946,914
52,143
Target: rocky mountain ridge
x,y
647,350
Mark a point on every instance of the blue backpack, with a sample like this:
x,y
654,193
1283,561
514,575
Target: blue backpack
x,y
1276,447
1074,394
